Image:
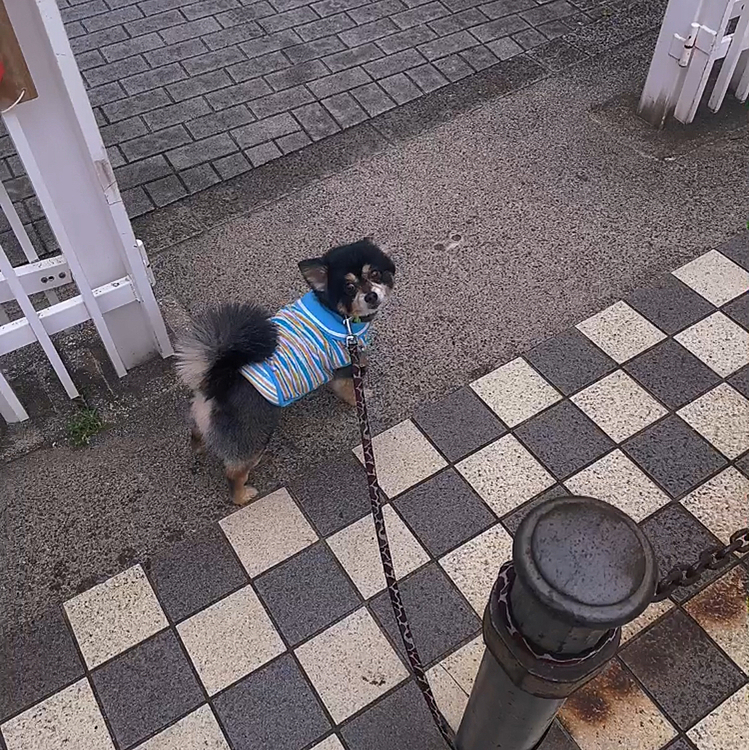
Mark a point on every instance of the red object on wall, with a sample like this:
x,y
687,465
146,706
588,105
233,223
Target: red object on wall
x,y
2,70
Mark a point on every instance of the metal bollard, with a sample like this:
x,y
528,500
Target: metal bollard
x,y
580,569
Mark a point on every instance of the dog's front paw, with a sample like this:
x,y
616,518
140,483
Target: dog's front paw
x,y
245,495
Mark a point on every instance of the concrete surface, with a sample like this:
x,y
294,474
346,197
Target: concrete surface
x,y
563,201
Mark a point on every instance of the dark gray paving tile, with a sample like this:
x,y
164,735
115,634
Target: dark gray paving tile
x,y
674,455
459,424
672,374
307,593
557,54
738,309
500,27
195,573
293,142
37,660
740,381
453,67
345,110
333,495
401,88
479,58
743,464
199,178
401,720
737,249
513,520
558,739
265,152
146,688
273,707
677,537
670,305
441,619
316,121
682,669
374,100
570,361
444,512
529,38
564,439
679,744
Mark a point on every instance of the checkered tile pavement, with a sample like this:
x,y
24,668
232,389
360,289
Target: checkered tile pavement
x,y
273,628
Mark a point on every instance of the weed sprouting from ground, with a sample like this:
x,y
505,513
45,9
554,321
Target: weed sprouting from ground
x,y
83,426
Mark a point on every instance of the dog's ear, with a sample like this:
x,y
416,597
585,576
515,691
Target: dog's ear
x,y
315,273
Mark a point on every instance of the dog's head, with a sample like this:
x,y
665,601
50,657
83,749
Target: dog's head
x,y
354,280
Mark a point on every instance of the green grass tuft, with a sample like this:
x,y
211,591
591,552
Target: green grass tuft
x,y
83,426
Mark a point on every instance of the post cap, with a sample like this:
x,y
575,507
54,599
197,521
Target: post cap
x,y
585,561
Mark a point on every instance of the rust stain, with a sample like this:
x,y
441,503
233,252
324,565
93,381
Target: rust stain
x,y
595,702
725,602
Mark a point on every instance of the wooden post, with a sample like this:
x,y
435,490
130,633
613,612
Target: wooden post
x,y
16,84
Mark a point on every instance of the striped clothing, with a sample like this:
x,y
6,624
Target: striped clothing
x,y
311,347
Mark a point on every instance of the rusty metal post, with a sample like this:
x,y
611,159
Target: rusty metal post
x,y
580,570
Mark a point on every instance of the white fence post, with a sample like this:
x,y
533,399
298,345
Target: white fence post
x,y
59,143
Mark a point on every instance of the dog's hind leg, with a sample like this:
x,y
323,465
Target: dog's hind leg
x,y
238,474
196,441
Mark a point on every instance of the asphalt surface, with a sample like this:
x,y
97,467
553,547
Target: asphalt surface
x,y
563,202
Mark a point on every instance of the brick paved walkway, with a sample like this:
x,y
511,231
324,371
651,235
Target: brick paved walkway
x,y
272,629
188,94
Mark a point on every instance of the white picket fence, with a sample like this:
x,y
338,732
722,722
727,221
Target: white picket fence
x,y
59,143
693,38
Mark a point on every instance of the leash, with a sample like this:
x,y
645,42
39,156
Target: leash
x,y
375,496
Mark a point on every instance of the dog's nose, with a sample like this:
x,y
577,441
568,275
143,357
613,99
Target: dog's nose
x,y
372,299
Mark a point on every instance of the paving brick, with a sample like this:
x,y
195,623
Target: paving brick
x,y
154,79
231,166
213,60
324,27
296,75
89,59
458,21
427,78
405,39
201,151
338,82
176,113
116,159
368,32
141,172
155,143
284,100
84,10
130,47
190,30
198,85
400,88
123,131
243,15
501,8
205,8
156,22
415,3
115,71
316,121
75,29
114,4
331,7
381,9
19,188
110,92
422,14
314,49
97,40
392,64
352,57
265,130
136,202
448,45
136,105
242,92
271,43
553,29
199,178
548,12
453,67
345,110
258,66
175,52
505,48
529,38
374,100
112,18
281,21
154,7
283,5
293,142
262,154
220,122
166,190
500,27
479,58
233,35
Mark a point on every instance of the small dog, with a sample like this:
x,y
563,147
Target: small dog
x,y
244,366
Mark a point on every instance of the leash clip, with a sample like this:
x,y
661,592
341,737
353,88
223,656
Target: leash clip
x,y
350,339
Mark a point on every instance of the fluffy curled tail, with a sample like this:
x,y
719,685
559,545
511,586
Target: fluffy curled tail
x,y
224,339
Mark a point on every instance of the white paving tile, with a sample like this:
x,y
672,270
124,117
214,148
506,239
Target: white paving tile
x,y
648,617
621,332
329,743
68,720
515,392
351,664
230,639
474,566
197,731
719,342
505,474
357,550
404,457
722,417
268,531
115,615
619,406
717,278
616,479
722,503
727,727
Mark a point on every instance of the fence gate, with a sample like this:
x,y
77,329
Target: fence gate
x,y
50,121
695,35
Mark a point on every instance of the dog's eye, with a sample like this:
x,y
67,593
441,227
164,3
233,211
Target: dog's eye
x,y
375,276
350,289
